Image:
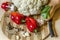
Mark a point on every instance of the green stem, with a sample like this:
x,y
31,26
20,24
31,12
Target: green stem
x,y
35,31
23,21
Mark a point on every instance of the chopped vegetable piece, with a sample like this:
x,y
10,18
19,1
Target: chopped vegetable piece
x,y
31,24
45,12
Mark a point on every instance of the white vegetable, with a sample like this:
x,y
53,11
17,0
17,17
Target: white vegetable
x,y
24,34
40,21
44,1
29,7
17,37
12,7
27,34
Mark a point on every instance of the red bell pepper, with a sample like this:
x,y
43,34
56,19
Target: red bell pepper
x,y
5,6
16,17
31,24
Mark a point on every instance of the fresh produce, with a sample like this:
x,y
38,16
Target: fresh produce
x,y
45,12
5,6
29,7
16,17
31,24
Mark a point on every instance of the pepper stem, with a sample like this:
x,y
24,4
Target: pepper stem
x,y
23,21
35,31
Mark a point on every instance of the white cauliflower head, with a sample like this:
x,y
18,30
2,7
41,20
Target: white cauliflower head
x,y
29,7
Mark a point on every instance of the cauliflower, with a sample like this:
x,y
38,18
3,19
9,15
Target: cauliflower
x,y
29,7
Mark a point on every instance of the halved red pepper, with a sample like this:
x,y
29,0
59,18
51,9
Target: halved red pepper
x,y
16,17
31,24
5,5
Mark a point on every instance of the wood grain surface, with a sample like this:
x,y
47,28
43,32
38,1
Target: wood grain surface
x,y
42,35
44,31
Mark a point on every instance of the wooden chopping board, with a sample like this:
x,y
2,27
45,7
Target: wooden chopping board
x,y
56,26
44,32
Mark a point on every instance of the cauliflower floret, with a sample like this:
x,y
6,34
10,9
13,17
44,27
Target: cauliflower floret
x,y
24,34
29,7
44,1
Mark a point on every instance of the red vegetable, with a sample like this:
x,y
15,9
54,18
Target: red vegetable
x,y
16,17
5,6
31,24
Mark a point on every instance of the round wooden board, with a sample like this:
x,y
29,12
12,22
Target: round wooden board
x,y
44,31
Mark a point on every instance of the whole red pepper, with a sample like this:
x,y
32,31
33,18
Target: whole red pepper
x,y
31,24
16,17
5,6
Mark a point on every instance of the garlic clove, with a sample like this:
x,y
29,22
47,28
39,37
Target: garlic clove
x,y
27,34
